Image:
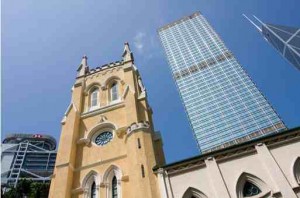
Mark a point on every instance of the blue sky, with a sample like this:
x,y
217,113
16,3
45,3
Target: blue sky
x,y
43,42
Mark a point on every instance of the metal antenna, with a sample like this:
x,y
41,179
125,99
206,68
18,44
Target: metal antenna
x,y
257,27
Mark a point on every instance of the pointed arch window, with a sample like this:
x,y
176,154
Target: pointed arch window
x,y
94,98
90,185
193,193
114,95
249,185
296,170
112,177
250,190
114,188
93,190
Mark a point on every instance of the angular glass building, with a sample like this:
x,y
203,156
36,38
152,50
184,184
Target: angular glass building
x,y
223,105
27,156
286,40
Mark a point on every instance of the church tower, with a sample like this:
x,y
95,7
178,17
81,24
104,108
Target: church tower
x,y
108,145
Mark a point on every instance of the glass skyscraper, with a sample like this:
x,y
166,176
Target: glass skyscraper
x,y
223,105
286,40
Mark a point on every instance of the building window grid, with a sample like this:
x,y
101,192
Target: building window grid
x,y
211,70
213,32
233,120
235,129
212,114
219,47
211,139
215,111
176,65
192,78
209,35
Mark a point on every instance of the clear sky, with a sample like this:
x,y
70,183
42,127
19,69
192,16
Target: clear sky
x,y
43,42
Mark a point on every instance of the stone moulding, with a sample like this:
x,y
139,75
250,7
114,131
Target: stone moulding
x,y
103,109
234,151
100,162
138,126
71,105
102,125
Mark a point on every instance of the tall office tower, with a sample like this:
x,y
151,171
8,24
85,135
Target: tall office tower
x,y
286,40
27,156
223,104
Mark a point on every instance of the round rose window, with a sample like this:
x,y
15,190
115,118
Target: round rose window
x,y
103,138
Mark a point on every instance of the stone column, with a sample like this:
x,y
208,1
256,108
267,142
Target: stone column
x,y
216,179
274,171
162,183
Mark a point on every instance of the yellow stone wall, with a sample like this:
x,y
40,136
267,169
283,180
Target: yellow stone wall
x,y
78,156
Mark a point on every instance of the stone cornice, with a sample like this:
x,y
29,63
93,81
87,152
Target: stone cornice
x,y
68,164
100,162
233,151
103,109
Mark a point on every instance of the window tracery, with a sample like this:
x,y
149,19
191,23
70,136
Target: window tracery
x,y
249,185
193,193
114,188
250,190
93,190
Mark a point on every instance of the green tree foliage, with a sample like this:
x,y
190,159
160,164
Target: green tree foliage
x,y
28,189
23,187
39,190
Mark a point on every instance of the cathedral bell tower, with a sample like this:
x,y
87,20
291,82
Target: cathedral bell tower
x,y
108,145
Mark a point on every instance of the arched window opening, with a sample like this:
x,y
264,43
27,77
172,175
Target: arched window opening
x,y
249,185
193,193
94,98
297,170
89,185
250,190
114,188
112,177
114,95
93,190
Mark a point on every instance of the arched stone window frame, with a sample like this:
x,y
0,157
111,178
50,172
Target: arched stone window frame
x,y
88,92
94,90
114,87
88,181
243,178
296,170
98,129
193,192
109,174
108,84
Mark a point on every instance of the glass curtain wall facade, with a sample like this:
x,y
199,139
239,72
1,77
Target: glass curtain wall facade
x,y
27,156
286,40
223,105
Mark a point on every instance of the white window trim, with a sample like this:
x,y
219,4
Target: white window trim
x,y
244,177
118,99
88,182
91,108
107,178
